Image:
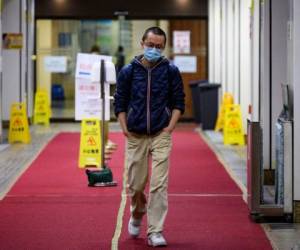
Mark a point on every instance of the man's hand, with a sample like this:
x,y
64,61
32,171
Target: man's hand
x,y
168,129
174,119
122,120
126,133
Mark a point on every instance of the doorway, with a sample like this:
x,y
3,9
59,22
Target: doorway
x,y
58,41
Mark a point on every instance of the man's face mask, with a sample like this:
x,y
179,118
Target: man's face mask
x,y
152,54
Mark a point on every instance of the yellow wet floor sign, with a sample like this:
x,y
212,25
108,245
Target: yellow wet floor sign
x,y
18,124
233,128
227,100
90,144
42,111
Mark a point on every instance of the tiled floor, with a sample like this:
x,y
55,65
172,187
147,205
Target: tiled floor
x,y
14,160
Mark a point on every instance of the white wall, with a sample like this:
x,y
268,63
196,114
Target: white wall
x,y
214,61
11,58
230,50
236,50
15,62
224,41
295,9
211,40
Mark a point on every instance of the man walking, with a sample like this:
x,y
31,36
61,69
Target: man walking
x,y
149,100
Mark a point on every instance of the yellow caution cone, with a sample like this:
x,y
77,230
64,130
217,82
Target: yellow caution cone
x,y
233,132
227,100
18,124
90,144
42,110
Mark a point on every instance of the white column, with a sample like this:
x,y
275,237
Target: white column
x,y
217,41
14,60
211,40
224,68
245,82
230,50
236,50
255,57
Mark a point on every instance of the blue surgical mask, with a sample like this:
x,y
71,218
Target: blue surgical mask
x,y
152,54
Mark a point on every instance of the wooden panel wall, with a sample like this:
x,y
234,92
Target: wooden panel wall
x,y
199,43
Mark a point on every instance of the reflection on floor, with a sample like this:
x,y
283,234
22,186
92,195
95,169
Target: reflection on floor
x,y
64,109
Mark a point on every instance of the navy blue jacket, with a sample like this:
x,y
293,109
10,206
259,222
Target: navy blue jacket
x,y
148,95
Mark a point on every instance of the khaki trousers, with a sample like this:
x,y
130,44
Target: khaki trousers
x,y
139,150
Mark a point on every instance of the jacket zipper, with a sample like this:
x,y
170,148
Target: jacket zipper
x,y
149,94
148,101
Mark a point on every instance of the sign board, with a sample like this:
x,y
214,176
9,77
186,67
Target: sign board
x,y
12,40
90,144
42,109
226,101
18,124
84,64
87,93
55,64
182,42
186,64
233,127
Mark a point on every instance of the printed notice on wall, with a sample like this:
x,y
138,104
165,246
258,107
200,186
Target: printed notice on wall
x,y
186,64
181,42
55,64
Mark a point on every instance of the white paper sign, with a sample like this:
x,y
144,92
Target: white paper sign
x,y
87,93
181,42
85,62
88,103
55,64
186,64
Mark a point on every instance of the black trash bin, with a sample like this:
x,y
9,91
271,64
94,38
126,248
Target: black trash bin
x,y
209,104
194,85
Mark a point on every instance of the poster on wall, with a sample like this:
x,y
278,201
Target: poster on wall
x,y
12,40
87,93
55,64
181,42
186,64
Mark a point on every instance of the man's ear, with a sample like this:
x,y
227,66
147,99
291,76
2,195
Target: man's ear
x,y
142,44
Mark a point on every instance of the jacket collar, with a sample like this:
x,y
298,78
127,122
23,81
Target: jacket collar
x,y
137,60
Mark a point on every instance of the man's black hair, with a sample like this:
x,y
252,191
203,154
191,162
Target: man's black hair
x,y
156,31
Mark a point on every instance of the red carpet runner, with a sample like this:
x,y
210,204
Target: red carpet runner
x,y
51,207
